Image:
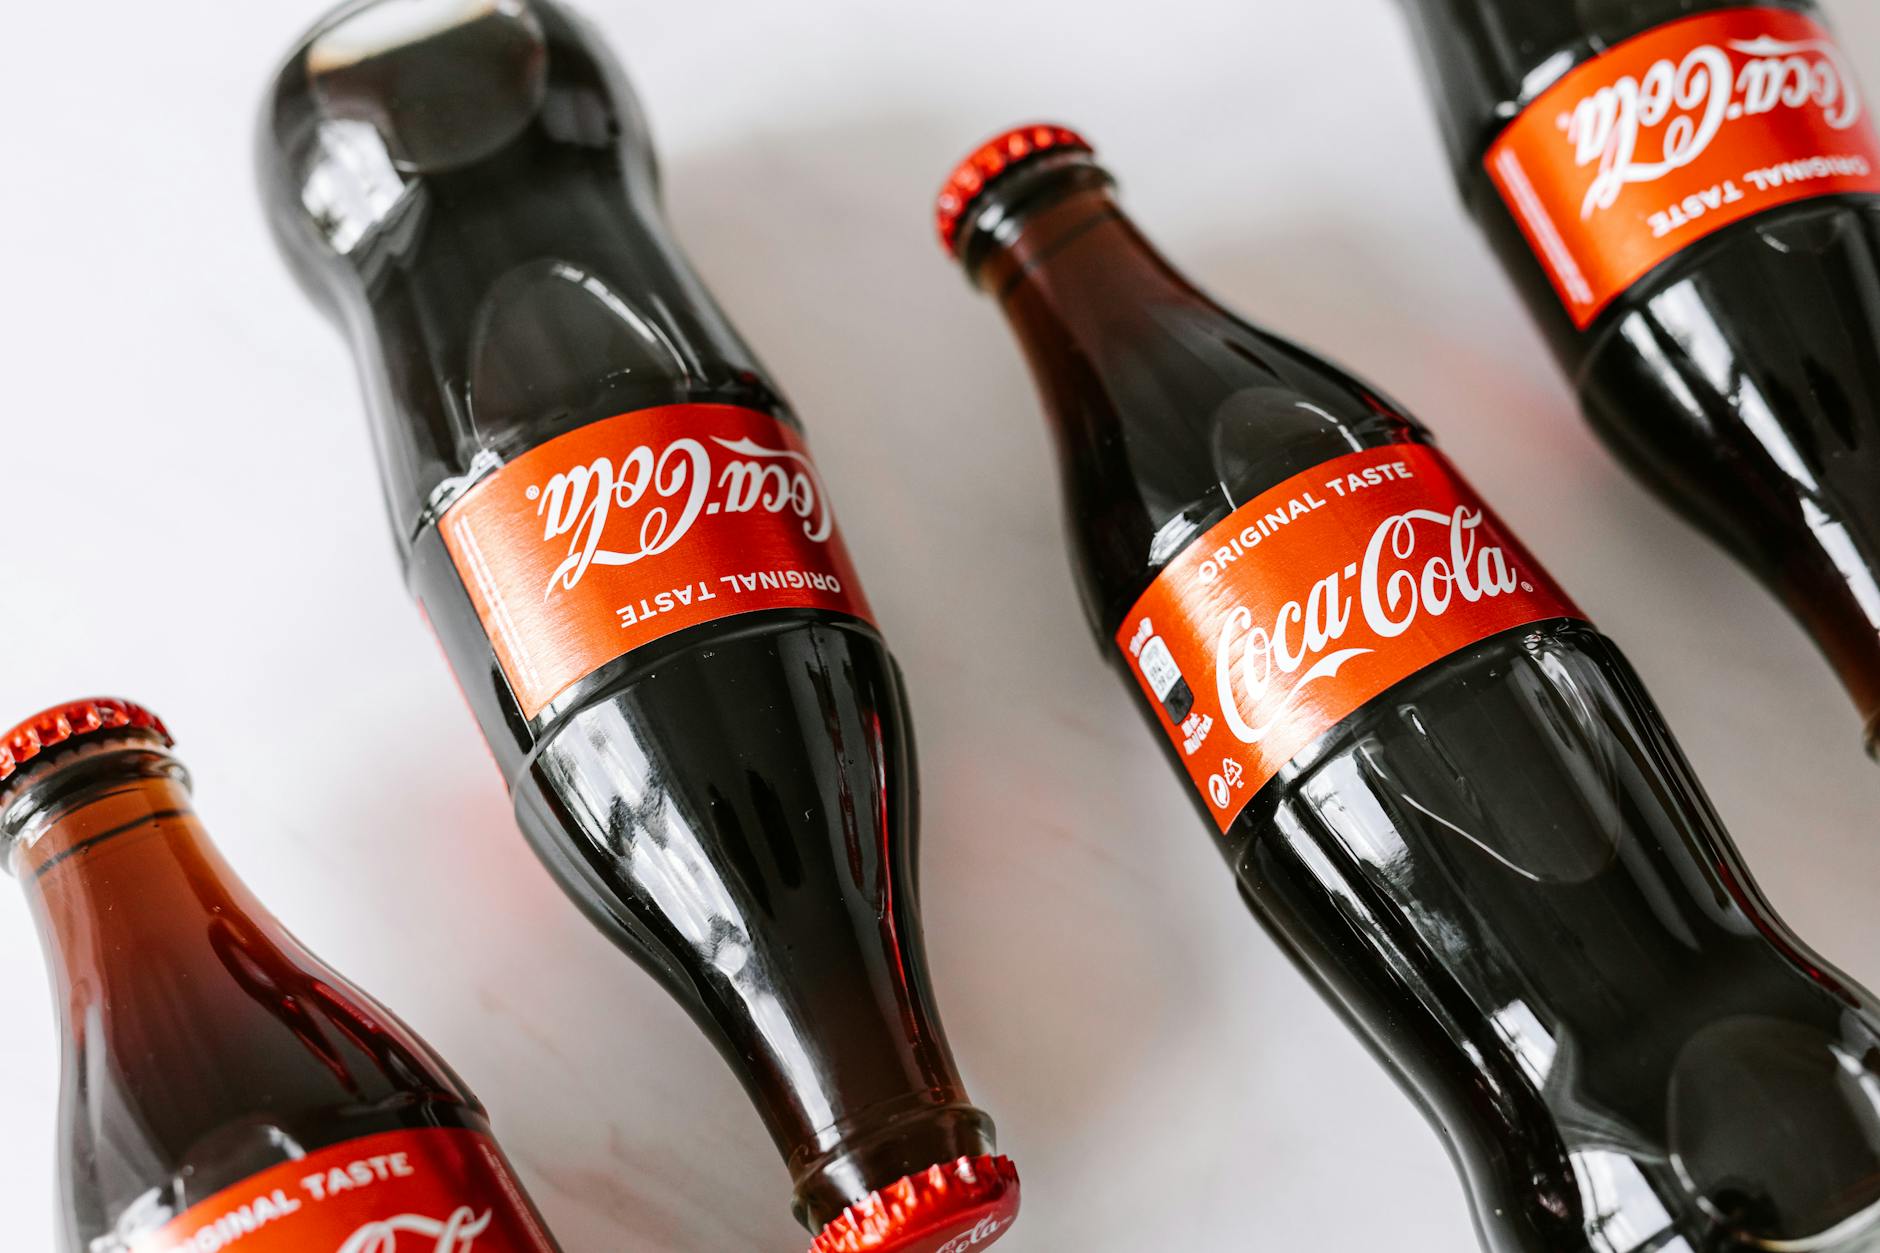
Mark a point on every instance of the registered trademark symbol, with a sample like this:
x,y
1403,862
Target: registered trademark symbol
x,y
1527,587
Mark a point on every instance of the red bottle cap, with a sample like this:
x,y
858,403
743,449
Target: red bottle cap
x,y
70,722
959,1207
991,162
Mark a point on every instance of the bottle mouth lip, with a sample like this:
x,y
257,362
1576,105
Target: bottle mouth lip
x,y
44,748
954,1207
991,163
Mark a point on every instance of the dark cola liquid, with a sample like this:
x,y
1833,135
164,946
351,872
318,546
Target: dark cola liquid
x,y
1741,378
203,1044
471,191
1500,872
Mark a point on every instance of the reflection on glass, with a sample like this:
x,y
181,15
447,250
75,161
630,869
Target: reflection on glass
x,y
1532,1044
352,186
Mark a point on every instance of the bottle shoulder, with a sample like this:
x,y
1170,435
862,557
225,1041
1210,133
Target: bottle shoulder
x,y
204,1043
501,277
1188,424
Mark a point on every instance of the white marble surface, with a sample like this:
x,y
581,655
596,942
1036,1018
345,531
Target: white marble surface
x,y
192,519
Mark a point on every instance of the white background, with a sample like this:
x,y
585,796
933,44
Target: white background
x,y
189,515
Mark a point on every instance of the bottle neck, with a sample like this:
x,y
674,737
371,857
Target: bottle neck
x,y
1064,260
105,842
1122,346
201,1043
1131,361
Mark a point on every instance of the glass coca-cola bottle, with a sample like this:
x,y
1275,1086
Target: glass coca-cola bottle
x,y
222,1088
608,514
1441,790
1685,193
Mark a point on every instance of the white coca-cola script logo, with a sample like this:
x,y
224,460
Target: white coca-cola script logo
x,y
1689,102
1398,581
657,496
455,1234
984,1232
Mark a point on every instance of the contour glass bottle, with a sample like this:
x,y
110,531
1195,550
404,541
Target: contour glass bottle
x,y
1441,790
1685,192
609,515
222,1088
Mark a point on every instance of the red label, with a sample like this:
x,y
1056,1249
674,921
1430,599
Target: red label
x,y
1313,598
1673,135
433,1191
629,529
